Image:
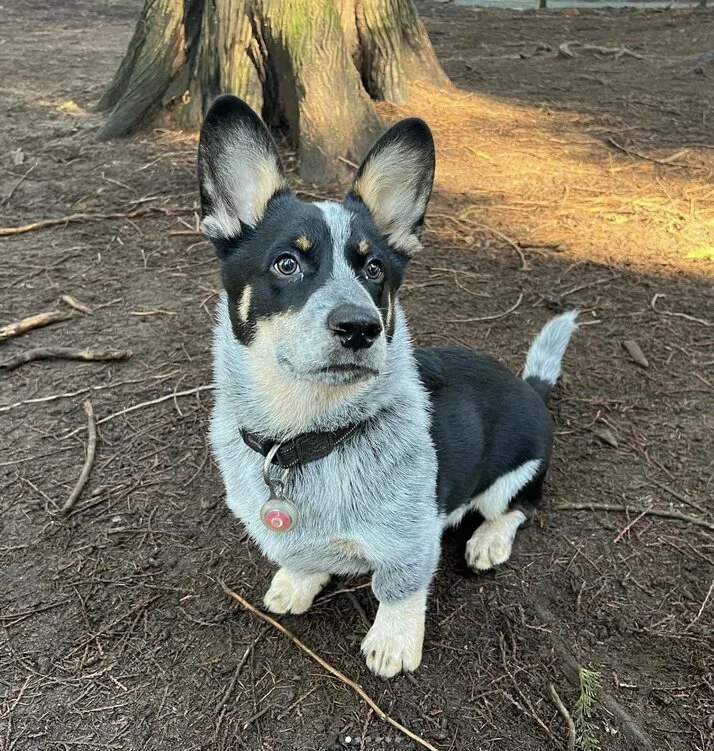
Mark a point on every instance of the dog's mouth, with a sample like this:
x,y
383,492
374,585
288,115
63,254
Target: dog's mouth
x,y
348,367
348,372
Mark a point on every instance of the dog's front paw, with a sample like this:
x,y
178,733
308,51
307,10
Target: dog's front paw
x,y
293,593
395,641
389,652
491,544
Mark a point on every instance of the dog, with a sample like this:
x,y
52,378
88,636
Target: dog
x,y
342,449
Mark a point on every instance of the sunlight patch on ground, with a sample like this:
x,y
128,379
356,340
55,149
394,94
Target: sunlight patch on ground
x,y
554,180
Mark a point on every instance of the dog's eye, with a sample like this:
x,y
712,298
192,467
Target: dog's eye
x,y
286,265
374,270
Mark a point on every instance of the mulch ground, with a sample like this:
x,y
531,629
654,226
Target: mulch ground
x,y
583,180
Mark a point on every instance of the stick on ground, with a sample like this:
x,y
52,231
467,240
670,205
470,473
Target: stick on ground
x,y
326,665
564,714
488,318
32,322
88,462
63,353
627,509
45,223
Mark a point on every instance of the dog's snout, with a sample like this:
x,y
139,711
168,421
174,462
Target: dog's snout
x,y
356,327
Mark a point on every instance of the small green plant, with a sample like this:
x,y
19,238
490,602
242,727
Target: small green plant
x,y
585,707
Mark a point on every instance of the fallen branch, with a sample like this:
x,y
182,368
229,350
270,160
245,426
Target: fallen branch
x,y
487,318
89,461
63,353
32,322
639,155
326,665
72,218
564,714
627,509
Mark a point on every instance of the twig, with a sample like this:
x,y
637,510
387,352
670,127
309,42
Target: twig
x,y
330,669
63,353
89,461
631,524
626,509
639,155
185,233
618,52
581,287
564,714
653,305
524,264
701,609
679,496
347,162
141,405
45,223
487,318
73,302
531,710
32,322
222,703
18,184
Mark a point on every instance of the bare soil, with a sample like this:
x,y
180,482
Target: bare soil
x,y
562,181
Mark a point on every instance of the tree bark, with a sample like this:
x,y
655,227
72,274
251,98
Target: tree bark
x,y
155,53
396,49
308,66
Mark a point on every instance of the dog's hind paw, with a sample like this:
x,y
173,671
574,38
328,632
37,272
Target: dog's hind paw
x,y
491,544
293,593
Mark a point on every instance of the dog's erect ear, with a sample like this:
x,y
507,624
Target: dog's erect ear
x,y
239,169
395,181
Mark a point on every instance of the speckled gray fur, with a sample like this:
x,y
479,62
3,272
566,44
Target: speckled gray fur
x,y
368,506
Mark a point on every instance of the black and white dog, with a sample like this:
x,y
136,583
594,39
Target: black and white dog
x,y
343,450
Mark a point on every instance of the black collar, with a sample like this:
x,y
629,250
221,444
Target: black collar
x,y
304,448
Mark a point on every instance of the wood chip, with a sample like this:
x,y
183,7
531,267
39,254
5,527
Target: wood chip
x,y
607,436
634,351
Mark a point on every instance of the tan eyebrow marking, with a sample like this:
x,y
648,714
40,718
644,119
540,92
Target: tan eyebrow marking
x,y
303,243
363,247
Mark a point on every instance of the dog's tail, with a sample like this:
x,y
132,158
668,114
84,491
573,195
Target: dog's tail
x,y
546,353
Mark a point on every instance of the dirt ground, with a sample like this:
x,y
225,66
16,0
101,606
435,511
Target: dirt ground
x,y
583,181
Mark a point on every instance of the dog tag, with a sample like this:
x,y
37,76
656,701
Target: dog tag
x,y
278,514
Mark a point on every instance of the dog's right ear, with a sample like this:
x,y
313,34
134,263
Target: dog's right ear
x,y
239,170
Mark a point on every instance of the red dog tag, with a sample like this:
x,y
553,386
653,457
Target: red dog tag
x,y
278,514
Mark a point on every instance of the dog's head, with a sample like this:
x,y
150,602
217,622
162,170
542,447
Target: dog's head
x,y
312,286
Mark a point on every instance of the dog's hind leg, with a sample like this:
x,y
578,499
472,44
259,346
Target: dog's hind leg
x,y
293,593
505,506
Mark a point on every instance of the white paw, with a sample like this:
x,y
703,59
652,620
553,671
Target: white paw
x,y
491,544
395,641
293,593
389,652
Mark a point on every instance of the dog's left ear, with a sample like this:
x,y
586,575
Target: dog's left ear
x,y
239,169
395,181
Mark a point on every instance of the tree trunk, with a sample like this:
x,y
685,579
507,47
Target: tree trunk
x,y
308,66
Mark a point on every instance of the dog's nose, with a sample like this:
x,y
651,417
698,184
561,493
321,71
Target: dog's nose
x,y
355,327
